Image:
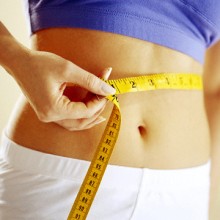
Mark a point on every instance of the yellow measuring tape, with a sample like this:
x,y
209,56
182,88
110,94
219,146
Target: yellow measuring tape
x,y
104,150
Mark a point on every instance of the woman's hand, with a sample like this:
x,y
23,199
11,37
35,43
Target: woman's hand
x,y
43,77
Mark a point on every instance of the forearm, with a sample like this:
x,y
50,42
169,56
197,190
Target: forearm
x,y
12,53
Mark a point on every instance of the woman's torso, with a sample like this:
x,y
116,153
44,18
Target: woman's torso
x,y
160,129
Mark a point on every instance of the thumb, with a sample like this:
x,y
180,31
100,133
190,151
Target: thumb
x,y
106,73
92,83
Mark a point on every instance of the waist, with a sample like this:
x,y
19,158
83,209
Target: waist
x,y
160,129
73,169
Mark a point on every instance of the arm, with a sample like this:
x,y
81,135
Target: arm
x,y
11,50
43,77
212,102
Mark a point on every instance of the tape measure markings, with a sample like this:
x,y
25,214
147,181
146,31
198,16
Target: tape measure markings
x,y
156,81
96,170
106,145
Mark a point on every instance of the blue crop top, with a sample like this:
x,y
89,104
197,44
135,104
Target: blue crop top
x,y
188,26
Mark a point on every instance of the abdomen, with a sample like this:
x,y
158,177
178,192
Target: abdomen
x,y
160,129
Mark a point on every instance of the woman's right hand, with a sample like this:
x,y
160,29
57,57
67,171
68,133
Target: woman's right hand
x,y
43,77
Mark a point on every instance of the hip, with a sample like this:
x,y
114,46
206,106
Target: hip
x,y
160,129
139,192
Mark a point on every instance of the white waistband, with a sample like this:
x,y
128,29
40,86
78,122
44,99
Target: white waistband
x,y
32,161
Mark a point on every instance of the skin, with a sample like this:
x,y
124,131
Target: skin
x,y
160,129
212,101
153,116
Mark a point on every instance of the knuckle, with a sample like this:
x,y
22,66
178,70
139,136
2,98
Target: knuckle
x,y
46,115
91,81
75,126
82,111
88,114
43,117
67,69
79,125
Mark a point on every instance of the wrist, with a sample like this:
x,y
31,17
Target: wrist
x,y
13,56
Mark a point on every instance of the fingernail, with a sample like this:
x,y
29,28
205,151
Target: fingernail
x,y
108,90
108,72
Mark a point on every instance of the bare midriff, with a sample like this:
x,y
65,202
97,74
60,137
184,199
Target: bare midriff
x,y
161,129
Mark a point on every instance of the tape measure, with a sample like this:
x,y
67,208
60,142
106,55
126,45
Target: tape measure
x,y
106,145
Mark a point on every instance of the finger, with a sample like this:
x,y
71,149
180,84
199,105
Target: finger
x,y
90,82
77,110
106,73
80,124
77,125
97,122
95,101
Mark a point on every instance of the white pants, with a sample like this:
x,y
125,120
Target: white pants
x,y
39,186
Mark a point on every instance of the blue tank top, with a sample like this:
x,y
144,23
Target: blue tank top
x,y
188,26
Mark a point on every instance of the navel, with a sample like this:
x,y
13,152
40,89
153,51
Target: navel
x,y
142,130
